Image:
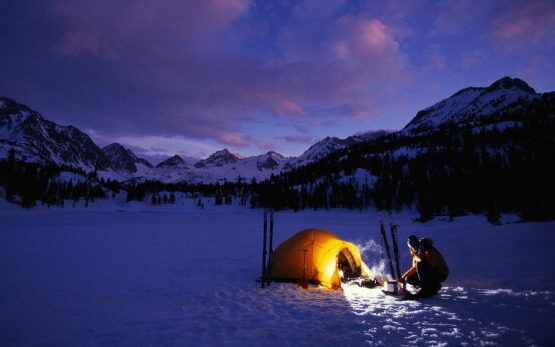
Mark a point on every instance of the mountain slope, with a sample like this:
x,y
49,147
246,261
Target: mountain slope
x,y
505,104
474,105
329,145
37,139
444,163
219,159
124,160
172,162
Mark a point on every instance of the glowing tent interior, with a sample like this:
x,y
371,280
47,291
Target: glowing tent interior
x,y
318,257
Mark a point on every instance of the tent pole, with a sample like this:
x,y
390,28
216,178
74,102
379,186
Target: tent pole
x,y
304,282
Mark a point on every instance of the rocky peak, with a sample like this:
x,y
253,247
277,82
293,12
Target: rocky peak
x,y
116,149
511,83
219,158
322,148
274,154
15,115
123,159
9,106
175,161
474,104
225,153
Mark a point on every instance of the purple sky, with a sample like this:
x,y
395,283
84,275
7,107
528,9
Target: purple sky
x,y
192,77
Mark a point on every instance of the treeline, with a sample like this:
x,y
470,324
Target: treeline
x,y
454,171
451,172
162,193
29,183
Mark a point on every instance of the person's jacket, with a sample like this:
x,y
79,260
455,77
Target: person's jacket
x,y
434,258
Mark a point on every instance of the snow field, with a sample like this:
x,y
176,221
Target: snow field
x,y
135,274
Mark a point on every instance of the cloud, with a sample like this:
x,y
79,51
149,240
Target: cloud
x,y
164,146
296,138
435,59
472,59
537,68
235,139
177,68
167,148
107,29
524,24
455,16
265,146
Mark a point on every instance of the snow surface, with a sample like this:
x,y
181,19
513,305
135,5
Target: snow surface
x,y
65,176
134,274
500,126
359,176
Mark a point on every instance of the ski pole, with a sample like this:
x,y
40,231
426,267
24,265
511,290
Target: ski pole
x,y
264,228
270,250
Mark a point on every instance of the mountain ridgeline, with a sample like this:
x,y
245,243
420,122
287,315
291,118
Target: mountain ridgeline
x,y
483,150
492,153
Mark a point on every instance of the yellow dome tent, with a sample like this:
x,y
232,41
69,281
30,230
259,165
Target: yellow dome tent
x,y
316,256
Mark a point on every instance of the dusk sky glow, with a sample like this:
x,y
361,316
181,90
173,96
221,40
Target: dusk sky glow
x,y
191,77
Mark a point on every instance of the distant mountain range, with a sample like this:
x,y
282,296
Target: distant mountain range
x,y
37,139
488,150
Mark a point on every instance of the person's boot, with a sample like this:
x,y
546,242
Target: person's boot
x,y
437,288
427,291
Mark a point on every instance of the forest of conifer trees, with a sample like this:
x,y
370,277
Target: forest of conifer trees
x,y
451,172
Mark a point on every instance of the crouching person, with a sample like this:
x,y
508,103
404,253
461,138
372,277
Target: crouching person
x,y
428,270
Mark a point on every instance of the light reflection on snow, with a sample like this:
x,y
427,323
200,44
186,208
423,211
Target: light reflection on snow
x,y
449,318
365,301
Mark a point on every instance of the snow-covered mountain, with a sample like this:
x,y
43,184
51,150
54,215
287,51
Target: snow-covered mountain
x,y
123,160
474,105
231,167
36,139
329,145
174,162
323,148
219,159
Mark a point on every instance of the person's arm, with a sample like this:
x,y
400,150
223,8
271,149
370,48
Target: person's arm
x,y
412,270
416,257
409,272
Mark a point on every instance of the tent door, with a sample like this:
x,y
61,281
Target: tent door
x,y
347,264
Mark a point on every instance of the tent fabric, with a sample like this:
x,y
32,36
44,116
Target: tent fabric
x,y
316,256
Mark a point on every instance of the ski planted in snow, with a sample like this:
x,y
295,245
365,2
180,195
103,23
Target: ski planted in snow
x,y
267,244
387,250
264,251
270,250
393,228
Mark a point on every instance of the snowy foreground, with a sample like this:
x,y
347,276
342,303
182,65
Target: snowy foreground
x,y
133,274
